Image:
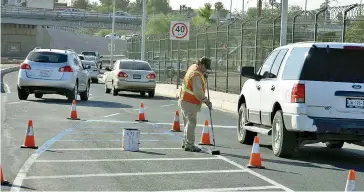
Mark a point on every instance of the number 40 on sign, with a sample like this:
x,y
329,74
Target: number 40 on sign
x,y
180,30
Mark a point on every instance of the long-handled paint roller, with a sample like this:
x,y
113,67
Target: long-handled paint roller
x,y
213,151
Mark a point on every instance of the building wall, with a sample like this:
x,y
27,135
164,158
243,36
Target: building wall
x,y
18,40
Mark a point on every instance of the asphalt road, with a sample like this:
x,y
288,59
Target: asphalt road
x,y
86,155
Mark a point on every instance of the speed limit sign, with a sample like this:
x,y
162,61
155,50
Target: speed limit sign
x,y
180,30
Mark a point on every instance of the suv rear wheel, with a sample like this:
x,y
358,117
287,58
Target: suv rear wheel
x,y
334,144
72,95
22,94
244,136
85,95
283,141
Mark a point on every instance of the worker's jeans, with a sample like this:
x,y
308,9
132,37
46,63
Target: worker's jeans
x,y
189,113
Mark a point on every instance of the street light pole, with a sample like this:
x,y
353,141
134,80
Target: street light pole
x,y
144,17
112,36
284,18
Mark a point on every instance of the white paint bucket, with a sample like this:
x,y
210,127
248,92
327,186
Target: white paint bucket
x,y
131,139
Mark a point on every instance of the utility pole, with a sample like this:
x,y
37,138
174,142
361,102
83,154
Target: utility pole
x,y
112,32
284,18
243,8
143,28
231,6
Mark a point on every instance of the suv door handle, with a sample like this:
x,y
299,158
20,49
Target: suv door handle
x,y
273,88
258,87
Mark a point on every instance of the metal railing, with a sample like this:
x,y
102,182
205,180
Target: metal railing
x,y
37,13
245,43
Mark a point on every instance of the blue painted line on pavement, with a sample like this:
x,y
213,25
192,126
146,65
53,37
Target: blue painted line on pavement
x,y
113,140
118,133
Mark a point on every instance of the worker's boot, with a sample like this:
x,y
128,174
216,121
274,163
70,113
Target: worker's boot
x,y
192,148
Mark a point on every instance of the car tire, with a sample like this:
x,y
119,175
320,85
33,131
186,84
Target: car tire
x,y
151,94
72,95
142,93
283,141
334,144
244,136
86,94
22,94
107,90
38,95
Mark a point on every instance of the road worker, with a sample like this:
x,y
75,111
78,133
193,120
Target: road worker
x,y
191,97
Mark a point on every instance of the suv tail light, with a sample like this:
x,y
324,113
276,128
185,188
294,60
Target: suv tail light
x,y
25,66
122,75
151,76
65,69
298,93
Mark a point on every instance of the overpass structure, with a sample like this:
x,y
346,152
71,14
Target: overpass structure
x,y
46,17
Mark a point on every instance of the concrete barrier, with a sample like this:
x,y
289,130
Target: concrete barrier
x,y
8,69
220,101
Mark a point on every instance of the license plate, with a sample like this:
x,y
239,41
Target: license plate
x,y
137,76
45,73
354,103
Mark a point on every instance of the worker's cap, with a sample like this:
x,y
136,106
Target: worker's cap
x,y
205,61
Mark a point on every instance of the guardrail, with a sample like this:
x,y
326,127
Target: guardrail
x,y
37,13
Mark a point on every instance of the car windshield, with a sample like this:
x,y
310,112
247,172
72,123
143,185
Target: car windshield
x,y
135,65
47,57
89,53
334,65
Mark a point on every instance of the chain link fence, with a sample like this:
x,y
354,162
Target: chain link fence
x,y
245,42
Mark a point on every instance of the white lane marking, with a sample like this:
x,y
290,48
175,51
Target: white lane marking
x,y
18,181
111,160
108,149
255,174
150,123
7,88
134,174
228,189
116,133
16,102
138,109
167,105
112,115
91,97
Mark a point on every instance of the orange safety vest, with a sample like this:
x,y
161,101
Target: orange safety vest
x,y
186,92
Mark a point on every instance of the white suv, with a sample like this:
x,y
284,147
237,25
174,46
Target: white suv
x,y
305,93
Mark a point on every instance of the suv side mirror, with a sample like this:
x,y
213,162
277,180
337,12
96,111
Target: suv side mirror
x,y
101,56
249,72
107,69
87,66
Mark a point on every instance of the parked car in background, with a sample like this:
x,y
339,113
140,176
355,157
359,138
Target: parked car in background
x,y
53,71
305,93
132,76
95,54
94,71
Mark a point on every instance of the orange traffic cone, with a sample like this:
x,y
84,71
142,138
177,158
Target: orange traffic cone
x,y
350,182
3,181
73,115
205,137
141,116
176,127
29,137
255,160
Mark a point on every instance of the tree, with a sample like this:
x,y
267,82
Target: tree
x,y
218,7
160,23
81,4
122,5
206,12
153,6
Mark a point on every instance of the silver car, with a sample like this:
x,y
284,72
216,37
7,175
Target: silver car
x,y
130,75
53,71
94,71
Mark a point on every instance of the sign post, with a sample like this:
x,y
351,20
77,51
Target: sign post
x,y
179,31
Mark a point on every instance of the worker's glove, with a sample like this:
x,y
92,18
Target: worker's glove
x,y
208,104
206,75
